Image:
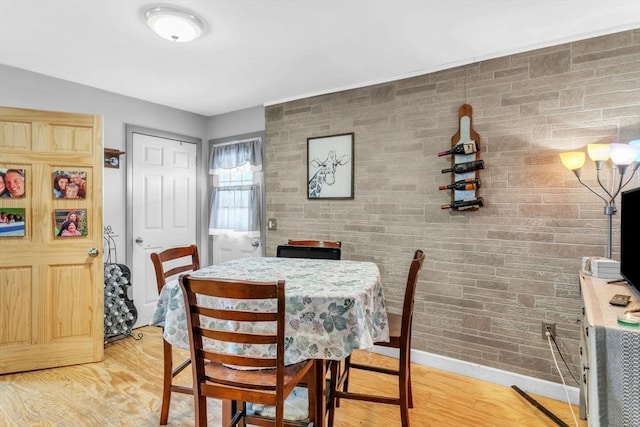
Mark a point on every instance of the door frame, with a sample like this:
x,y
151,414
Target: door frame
x,y
130,130
263,227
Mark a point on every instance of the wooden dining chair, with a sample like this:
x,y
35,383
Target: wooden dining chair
x,y
400,338
272,381
167,264
315,243
316,249
313,252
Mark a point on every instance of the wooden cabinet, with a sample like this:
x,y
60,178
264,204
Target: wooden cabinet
x,y
610,357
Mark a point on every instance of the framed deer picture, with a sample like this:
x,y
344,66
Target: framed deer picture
x,y
330,167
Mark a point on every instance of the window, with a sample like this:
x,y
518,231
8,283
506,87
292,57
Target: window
x,y
236,195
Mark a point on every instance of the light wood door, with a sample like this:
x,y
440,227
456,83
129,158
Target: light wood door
x,y
164,209
51,288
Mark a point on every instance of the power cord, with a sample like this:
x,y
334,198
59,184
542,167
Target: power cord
x,y
555,361
549,334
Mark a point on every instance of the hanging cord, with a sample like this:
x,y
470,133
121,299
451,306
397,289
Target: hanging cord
x,y
565,362
465,84
555,361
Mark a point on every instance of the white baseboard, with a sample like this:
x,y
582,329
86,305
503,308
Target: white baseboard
x,y
492,375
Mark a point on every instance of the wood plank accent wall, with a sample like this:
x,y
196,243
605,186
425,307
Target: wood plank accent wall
x,y
493,275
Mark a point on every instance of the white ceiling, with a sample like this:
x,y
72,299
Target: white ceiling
x,y
257,52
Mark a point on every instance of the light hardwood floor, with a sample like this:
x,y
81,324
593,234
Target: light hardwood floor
x,y
124,390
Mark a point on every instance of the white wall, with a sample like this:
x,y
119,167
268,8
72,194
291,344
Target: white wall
x,y
24,89
236,123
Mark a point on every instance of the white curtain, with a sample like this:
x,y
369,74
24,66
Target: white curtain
x,y
236,208
226,157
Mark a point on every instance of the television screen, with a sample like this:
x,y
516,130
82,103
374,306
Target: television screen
x,y
630,237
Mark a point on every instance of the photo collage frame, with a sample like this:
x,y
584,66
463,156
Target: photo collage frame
x,y
65,184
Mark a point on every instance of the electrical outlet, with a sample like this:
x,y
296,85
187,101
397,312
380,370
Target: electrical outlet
x,y
546,326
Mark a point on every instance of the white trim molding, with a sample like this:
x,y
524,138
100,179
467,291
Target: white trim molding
x,y
528,384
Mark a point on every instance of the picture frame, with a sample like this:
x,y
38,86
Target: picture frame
x,y
69,184
330,167
70,223
12,222
13,183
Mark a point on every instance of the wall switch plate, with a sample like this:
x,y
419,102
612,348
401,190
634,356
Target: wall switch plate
x,y
272,224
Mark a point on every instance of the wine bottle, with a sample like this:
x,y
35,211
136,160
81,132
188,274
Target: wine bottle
x,y
465,167
462,185
459,205
464,148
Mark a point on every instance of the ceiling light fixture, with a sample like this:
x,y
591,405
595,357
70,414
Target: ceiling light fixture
x,y
174,24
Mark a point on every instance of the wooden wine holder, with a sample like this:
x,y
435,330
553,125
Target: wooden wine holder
x,y
464,134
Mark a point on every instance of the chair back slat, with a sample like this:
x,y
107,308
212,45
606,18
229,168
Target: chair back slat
x,y
238,337
173,261
242,316
316,243
234,289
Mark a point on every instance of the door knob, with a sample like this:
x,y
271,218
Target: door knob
x,y
139,240
255,244
93,252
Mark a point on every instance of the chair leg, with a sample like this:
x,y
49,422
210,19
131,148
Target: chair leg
x,y
166,382
345,374
409,381
316,383
407,367
404,382
404,408
279,414
333,385
200,407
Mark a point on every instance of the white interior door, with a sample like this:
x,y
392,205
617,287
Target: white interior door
x,y
164,209
228,247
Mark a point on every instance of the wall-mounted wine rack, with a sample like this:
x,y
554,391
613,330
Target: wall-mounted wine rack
x,y
465,165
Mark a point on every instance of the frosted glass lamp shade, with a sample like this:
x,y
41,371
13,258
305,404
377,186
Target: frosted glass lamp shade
x,y
598,152
573,160
623,154
174,24
636,143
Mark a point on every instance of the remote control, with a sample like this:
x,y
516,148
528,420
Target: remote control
x,y
619,299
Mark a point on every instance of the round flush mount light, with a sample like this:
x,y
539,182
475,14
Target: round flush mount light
x,y
174,24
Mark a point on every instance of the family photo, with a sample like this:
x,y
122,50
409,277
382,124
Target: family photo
x,y
12,183
12,222
69,184
70,223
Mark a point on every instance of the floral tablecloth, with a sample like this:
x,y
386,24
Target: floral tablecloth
x,y
333,307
